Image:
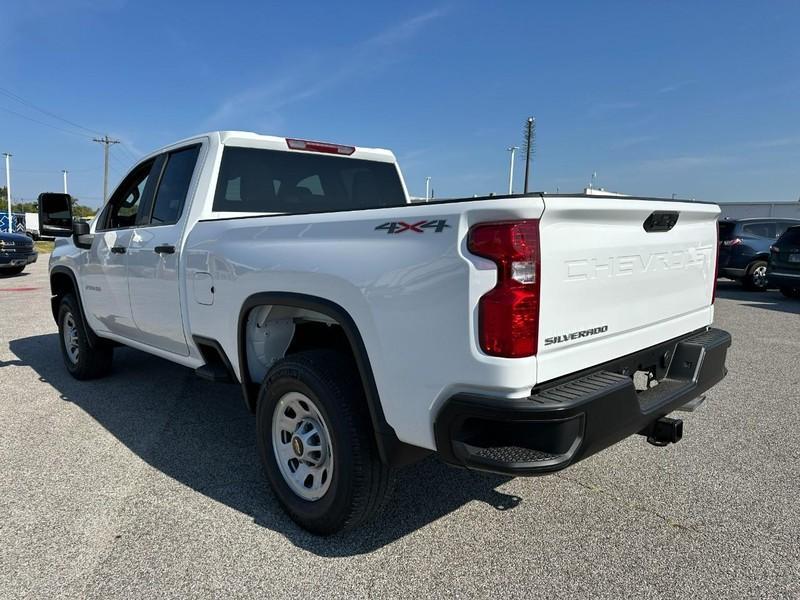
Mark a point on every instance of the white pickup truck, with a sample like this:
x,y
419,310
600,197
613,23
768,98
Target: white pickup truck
x,y
511,334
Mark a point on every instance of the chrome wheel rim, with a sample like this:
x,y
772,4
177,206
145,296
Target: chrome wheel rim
x,y
760,276
302,445
70,334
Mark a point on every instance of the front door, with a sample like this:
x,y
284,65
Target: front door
x,y
104,271
154,256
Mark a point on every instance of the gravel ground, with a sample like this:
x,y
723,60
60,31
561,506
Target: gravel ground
x,y
147,484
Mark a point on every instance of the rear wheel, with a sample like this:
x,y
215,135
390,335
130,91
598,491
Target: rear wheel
x,y
790,292
12,271
82,359
756,277
316,442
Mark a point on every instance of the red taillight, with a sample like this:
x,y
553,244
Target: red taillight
x,y
508,315
310,146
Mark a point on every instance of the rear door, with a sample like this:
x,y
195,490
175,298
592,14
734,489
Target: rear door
x,y
619,275
154,255
104,272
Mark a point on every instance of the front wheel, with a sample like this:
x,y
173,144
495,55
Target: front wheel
x,y
82,359
316,442
756,277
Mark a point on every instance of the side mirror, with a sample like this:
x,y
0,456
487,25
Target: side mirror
x,y
55,215
80,227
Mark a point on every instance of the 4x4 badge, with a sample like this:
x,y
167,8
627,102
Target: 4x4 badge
x,y
437,225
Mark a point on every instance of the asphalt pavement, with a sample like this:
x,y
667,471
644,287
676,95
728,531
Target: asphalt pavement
x,y
147,484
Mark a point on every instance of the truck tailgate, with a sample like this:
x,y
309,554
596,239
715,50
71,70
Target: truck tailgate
x,y
612,284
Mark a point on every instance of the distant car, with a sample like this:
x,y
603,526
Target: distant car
x,y
783,270
16,252
744,248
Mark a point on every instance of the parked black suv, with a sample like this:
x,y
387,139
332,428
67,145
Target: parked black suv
x,y
783,270
16,251
744,248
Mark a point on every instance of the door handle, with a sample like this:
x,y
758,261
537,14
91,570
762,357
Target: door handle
x,y
118,249
165,249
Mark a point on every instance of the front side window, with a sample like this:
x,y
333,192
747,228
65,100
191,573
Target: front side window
x,y
124,205
272,181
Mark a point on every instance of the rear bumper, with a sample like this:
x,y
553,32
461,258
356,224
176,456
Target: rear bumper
x,y
580,415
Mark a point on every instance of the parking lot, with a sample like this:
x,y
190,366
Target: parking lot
x,y
147,483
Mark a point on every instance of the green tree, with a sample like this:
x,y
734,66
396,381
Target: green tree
x,y
78,209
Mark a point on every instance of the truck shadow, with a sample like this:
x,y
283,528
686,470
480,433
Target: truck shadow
x,y
201,434
771,299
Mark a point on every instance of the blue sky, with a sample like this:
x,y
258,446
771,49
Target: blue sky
x,y
697,99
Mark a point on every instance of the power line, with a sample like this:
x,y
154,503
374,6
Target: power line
x,y
130,153
22,100
46,171
13,112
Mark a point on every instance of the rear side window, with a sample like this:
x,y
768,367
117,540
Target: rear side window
x,y
765,230
174,186
271,181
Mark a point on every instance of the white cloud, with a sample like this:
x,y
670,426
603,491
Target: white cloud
x,y
313,77
673,87
631,141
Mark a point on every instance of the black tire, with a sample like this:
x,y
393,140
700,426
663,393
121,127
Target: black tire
x,y
12,271
755,278
360,481
790,292
90,361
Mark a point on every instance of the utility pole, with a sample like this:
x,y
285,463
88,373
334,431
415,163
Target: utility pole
x,y
513,150
106,141
64,171
427,188
8,191
530,134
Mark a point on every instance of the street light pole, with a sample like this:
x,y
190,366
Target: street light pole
x,y
513,150
427,189
8,191
65,180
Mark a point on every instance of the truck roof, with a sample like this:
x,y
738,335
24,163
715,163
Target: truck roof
x,y
271,142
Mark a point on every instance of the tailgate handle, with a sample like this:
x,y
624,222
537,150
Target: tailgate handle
x,y
661,220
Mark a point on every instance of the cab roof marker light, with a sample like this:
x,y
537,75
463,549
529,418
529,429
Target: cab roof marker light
x,y
324,147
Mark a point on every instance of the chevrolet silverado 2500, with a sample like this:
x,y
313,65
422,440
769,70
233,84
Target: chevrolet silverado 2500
x,y
513,334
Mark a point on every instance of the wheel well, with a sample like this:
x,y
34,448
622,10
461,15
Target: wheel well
x,y
61,284
297,322
273,331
